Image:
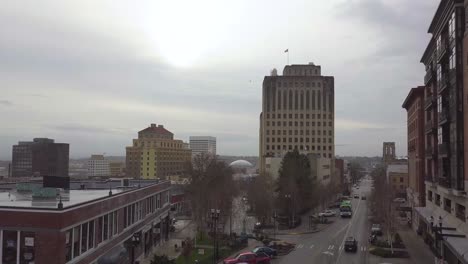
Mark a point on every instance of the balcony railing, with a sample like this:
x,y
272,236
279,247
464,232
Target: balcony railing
x,y
429,127
442,50
442,84
444,182
461,215
443,149
447,208
429,178
430,152
429,75
428,102
443,116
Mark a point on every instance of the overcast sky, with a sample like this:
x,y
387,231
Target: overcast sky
x,y
93,73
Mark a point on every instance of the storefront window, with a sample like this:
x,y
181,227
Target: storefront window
x,y
91,234
68,245
10,246
76,241
84,239
27,248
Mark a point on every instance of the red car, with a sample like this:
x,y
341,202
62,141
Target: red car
x,y
249,258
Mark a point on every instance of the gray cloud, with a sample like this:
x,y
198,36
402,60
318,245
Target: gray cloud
x,y
6,103
53,57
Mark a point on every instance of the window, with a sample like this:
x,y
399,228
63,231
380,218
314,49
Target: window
x,y
10,246
447,205
401,179
429,195
453,59
460,212
76,241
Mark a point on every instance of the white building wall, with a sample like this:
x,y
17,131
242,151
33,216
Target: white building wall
x,y
98,167
203,144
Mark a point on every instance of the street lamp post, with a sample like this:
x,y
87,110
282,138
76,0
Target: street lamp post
x,y
437,229
275,216
288,197
214,220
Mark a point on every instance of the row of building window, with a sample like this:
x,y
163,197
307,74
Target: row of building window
x,y
460,210
301,147
298,132
299,100
17,245
84,237
296,123
299,116
297,140
300,72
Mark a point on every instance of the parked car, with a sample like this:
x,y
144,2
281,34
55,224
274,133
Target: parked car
x,y
350,244
327,213
267,250
356,196
250,258
363,197
376,230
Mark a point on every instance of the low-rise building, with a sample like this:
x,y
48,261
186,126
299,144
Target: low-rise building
x,y
110,225
397,178
98,166
117,168
203,144
157,155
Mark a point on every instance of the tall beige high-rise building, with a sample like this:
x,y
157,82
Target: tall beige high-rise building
x,y
156,154
297,113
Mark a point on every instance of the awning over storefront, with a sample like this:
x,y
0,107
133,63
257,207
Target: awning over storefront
x,y
459,246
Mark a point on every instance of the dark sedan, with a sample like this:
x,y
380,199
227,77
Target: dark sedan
x,y
269,251
350,244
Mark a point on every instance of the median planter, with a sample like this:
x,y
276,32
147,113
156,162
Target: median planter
x,y
386,253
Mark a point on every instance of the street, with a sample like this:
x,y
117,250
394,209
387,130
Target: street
x,y
327,246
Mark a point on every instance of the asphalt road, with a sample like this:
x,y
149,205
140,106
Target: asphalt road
x,y
327,246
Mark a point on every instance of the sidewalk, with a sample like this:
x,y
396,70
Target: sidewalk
x,y
417,249
419,252
184,229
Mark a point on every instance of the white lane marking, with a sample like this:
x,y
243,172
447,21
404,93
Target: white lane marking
x,y
311,246
332,247
347,231
300,246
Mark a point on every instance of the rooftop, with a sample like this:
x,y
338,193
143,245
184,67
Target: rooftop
x,y
20,195
69,198
157,129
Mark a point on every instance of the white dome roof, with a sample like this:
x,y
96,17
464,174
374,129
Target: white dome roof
x,y
241,164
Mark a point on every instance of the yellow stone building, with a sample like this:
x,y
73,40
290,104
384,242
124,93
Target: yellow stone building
x,y
156,154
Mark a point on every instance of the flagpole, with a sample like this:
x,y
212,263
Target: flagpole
x,y
288,57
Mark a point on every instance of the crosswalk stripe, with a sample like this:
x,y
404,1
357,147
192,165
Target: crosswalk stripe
x,y
300,246
332,246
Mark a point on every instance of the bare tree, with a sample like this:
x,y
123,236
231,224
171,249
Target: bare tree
x,y
260,193
211,187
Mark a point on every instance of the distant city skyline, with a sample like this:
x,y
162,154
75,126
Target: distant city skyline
x,y
91,74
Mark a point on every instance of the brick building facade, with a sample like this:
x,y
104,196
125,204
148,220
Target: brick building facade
x,y
93,226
